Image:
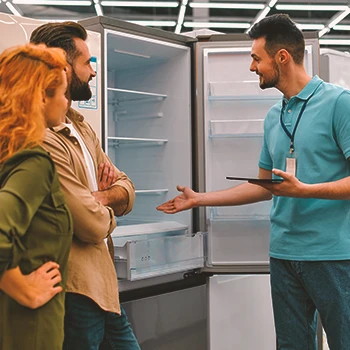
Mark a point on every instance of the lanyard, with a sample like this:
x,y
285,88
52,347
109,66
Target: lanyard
x,y
292,135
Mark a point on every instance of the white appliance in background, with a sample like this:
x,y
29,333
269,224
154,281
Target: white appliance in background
x,y
182,111
18,30
334,68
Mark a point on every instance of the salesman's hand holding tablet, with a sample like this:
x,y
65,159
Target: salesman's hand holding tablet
x,y
254,180
284,184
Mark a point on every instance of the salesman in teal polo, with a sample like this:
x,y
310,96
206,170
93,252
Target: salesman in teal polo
x,y
307,144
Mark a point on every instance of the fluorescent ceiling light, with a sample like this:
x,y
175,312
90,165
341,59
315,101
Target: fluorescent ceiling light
x,y
12,9
181,14
341,27
53,2
178,28
337,19
310,26
218,5
140,3
155,23
335,42
272,3
312,7
216,25
323,31
263,14
98,10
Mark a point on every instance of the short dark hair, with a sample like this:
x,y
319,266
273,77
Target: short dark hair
x,y
60,34
280,32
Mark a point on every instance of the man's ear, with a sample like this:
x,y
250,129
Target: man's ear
x,y
283,56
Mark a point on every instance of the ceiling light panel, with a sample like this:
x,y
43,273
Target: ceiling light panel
x,y
300,7
217,5
140,3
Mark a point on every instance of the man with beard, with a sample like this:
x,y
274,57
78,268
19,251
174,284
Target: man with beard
x,y
307,144
95,191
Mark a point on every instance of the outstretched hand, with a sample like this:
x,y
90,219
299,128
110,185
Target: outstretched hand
x,y
184,201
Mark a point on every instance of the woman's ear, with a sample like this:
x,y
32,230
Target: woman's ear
x,y
44,98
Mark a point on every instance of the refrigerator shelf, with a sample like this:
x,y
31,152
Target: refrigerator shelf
x,y
240,218
152,192
125,96
124,115
133,141
257,212
241,90
145,254
236,128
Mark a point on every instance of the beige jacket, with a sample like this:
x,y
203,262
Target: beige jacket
x,y
91,269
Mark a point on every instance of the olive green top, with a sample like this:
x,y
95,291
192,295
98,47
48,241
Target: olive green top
x,y
35,227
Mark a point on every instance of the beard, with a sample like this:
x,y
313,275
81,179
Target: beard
x,y
273,78
79,90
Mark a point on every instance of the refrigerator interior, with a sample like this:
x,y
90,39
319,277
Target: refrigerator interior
x,y
148,136
148,120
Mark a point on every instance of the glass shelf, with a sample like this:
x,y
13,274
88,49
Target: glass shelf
x,y
236,128
132,141
152,192
242,90
227,214
125,96
124,115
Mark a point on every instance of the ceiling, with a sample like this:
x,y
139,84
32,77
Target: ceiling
x,y
331,18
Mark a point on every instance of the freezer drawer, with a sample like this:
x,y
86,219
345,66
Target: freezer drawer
x,y
150,250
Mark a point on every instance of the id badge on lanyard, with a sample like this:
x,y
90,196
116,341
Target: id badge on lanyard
x,y
291,161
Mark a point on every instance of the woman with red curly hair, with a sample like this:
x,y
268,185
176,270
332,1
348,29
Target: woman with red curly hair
x,y
35,224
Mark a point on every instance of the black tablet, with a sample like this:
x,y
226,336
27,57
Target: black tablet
x,y
254,179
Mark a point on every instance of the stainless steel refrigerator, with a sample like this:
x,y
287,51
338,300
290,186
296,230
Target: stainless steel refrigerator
x,y
181,110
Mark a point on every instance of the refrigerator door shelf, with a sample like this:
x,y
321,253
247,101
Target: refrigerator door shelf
x,y
236,128
238,90
150,250
240,242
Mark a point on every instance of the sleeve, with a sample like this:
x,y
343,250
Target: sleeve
x,y
20,198
92,221
341,123
122,179
265,161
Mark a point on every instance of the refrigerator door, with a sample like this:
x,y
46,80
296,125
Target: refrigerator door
x,y
231,109
239,316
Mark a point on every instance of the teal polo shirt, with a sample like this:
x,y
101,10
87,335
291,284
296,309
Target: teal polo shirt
x,y
310,229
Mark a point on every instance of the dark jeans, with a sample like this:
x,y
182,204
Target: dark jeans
x,y
299,288
88,327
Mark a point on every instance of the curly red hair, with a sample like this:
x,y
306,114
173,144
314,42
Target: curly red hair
x,y
27,74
